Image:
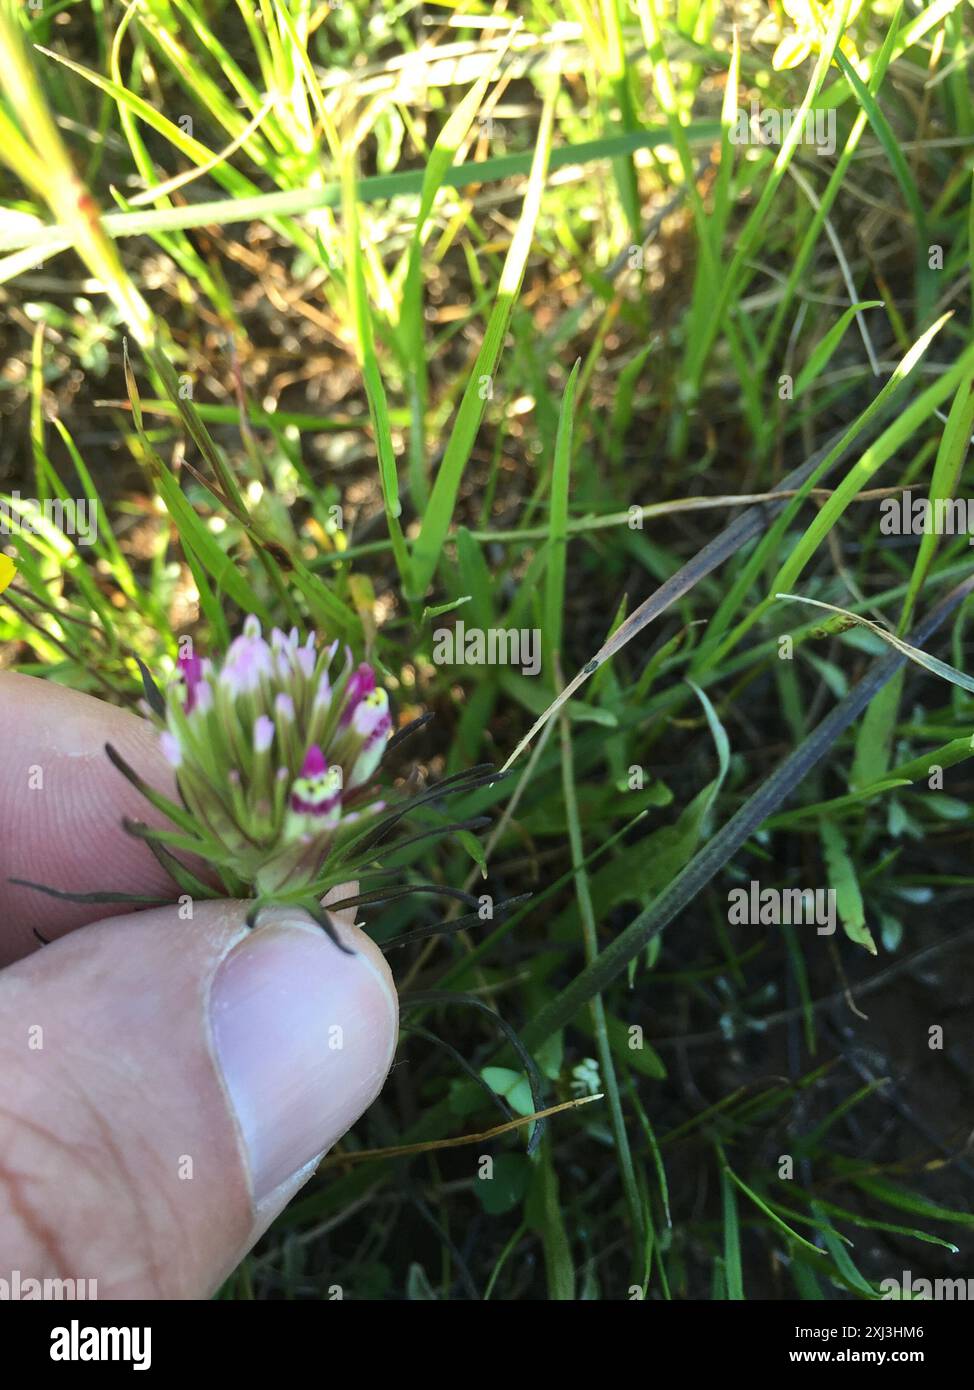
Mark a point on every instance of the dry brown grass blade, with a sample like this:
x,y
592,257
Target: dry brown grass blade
x,y
402,1150
742,529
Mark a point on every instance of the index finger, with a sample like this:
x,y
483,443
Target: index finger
x,y
61,809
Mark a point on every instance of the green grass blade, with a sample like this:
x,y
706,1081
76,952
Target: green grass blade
x,y
554,592
439,513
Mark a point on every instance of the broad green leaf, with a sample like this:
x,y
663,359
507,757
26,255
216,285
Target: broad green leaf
x,y
507,1184
843,879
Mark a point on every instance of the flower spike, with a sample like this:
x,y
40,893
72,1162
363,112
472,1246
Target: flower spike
x,y
267,746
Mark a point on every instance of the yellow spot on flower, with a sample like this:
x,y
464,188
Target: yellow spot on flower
x,y
812,19
7,571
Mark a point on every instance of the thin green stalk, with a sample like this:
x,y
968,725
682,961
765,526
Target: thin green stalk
x,y
596,1006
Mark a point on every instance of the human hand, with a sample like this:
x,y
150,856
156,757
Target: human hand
x,y
166,1084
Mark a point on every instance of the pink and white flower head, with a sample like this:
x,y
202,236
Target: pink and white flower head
x,y
273,751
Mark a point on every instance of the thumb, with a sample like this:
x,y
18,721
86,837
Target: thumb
x,y
166,1086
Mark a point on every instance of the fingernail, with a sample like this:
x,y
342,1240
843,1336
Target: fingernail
x,y
304,1035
